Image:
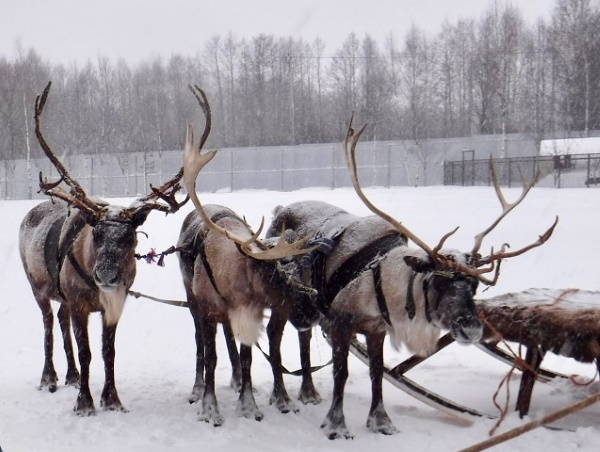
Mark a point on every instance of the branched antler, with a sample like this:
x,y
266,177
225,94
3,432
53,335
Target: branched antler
x,y
194,161
477,266
166,192
77,196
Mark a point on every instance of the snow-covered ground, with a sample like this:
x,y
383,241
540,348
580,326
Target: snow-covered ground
x,y
155,342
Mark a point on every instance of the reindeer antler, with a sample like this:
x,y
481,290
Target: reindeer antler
x,y
166,192
476,266
194,161
77,196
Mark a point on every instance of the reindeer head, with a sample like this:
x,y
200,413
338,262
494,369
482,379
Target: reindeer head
x,y
449,295
113,236
450,277
286,278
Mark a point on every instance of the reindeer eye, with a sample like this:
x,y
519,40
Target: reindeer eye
x,y
98,232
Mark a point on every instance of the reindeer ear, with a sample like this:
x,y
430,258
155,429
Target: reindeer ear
x,y
419,265
139,216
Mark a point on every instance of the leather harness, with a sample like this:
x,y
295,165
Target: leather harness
x,y
58,248
368,257
201,248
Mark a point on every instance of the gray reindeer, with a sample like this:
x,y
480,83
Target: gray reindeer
x,y
81,253
372,283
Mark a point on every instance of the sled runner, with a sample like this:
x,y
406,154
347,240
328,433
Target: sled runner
x,y
397,378
565,322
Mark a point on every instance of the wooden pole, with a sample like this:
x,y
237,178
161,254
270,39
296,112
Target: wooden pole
x,y
510,434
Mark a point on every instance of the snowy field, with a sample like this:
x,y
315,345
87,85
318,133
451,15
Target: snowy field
x,y
155,343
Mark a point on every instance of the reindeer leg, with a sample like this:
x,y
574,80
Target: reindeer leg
x,y
378,420
246,404
198,388
84,406
279,397
234,357
64,320
308,392
109,399
335,422
210,408
49,378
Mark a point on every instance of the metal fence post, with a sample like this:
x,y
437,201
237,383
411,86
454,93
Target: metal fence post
x,y
589,168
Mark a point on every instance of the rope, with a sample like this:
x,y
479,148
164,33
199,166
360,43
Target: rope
x,y
181,304
284,370
184,304
151,256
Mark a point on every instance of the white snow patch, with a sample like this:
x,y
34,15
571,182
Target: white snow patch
x,y
155,347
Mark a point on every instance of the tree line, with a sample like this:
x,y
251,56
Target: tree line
x,y
487,75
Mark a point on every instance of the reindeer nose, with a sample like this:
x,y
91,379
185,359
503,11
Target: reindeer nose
x,y
467,330
107,276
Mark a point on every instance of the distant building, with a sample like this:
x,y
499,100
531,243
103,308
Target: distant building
x,y
570,146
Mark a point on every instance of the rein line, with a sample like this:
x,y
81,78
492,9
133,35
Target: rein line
x,y
178,303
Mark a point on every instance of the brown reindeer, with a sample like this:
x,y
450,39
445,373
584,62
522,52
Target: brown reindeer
x,y
81,253
372,283
231,277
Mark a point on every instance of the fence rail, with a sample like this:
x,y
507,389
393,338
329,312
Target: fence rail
x,y
560,171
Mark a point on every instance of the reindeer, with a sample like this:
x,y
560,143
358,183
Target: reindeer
x,y
81,253
374,284
231,277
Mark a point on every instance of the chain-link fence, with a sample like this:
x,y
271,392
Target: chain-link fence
x,y
560,171
283,168
287,168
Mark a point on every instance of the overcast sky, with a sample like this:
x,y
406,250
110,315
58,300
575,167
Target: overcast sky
x,y
77,30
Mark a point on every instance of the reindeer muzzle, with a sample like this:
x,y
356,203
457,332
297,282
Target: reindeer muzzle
x,y
107,278
467,330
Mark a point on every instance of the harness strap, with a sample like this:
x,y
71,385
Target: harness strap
x,y
51,253
426,295
65,250
410,296
379,293
202,250
81,272
355,265
284,370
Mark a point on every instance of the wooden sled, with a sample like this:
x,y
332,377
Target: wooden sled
x,y
565,322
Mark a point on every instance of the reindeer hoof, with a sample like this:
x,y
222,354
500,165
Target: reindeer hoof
x,y
310,397
51,387
217,419
283,403
72,380
336,431
114,407
379,422
381,426
84,406
49,381
84,411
